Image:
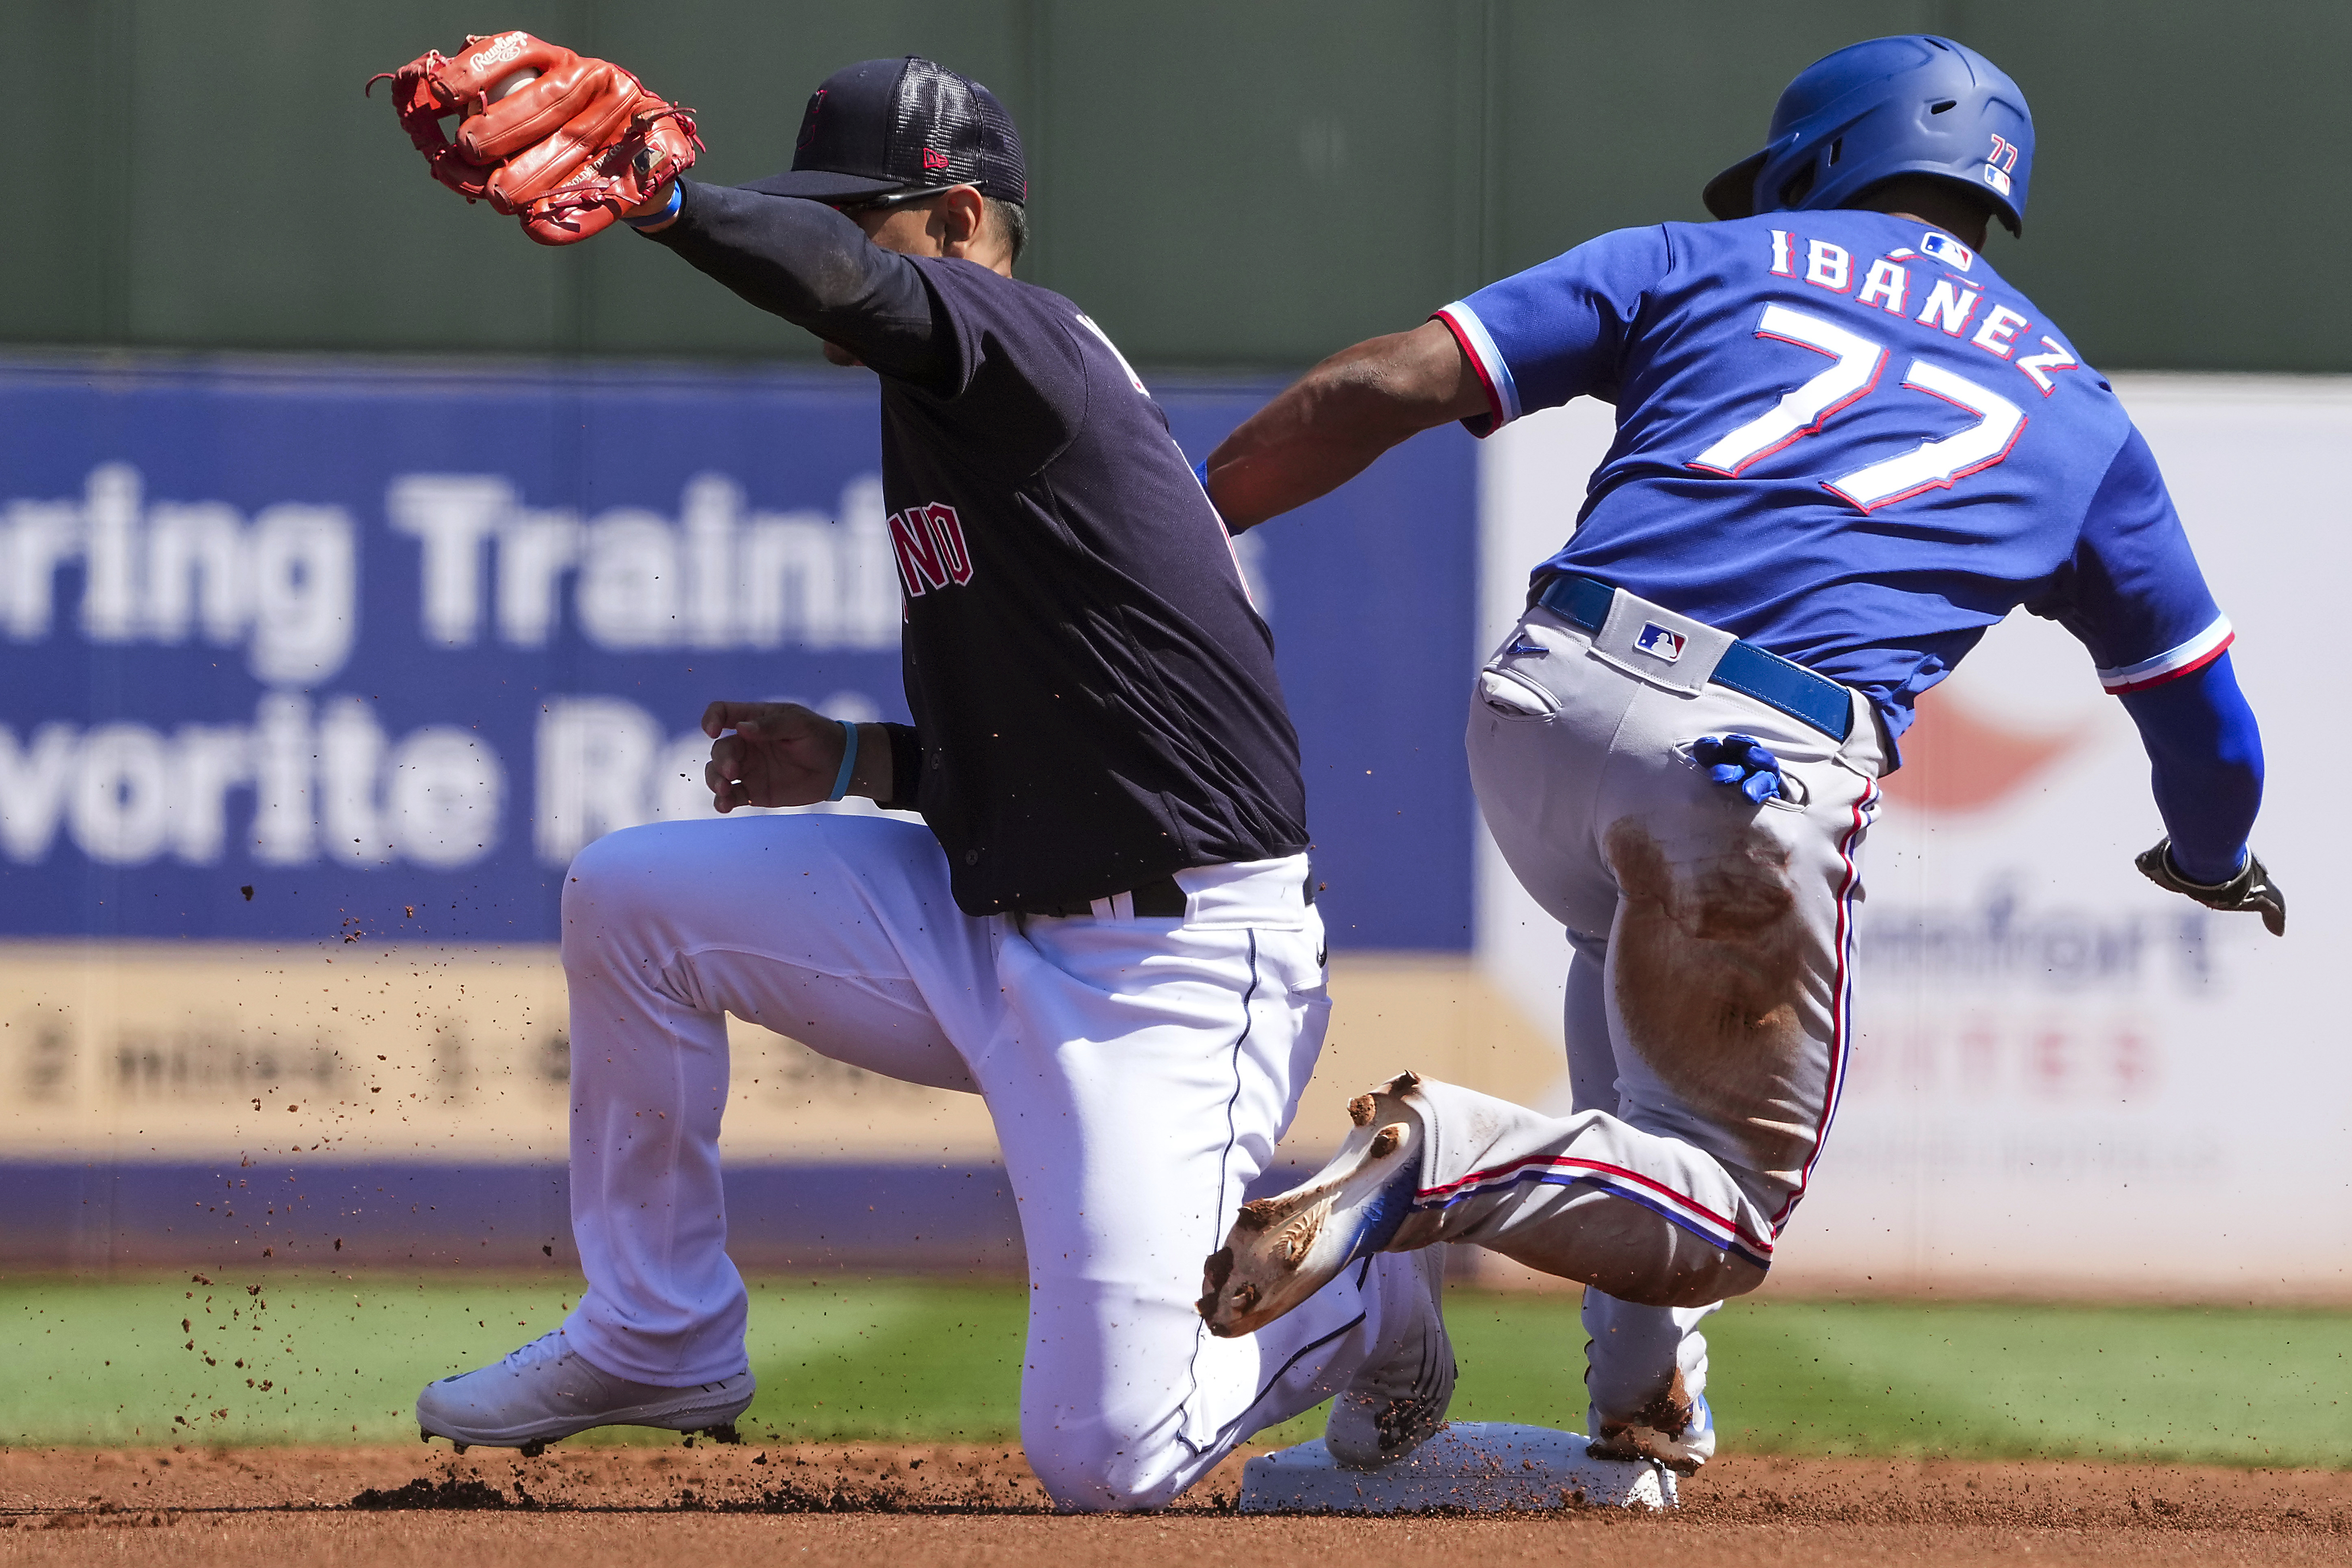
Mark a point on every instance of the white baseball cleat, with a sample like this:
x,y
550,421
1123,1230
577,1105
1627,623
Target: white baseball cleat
x,y
1282,1249
544,1392
1398,1401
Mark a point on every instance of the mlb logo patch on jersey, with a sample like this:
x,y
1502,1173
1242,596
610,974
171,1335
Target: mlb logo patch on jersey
x,y
1944,247
1660,642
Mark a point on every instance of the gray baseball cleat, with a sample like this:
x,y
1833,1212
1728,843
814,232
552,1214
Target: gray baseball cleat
x,y
1396,1403
1676,1429
544,1392
1282,1249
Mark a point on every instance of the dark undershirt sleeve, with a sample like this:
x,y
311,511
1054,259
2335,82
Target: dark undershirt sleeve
x,y
815,268
906,767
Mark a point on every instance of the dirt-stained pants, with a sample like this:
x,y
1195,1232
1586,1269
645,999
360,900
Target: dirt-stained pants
x,y
1709,991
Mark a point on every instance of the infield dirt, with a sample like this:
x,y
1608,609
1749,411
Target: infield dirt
x,y
868,1504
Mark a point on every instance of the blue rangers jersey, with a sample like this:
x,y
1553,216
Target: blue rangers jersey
x,y
1844,437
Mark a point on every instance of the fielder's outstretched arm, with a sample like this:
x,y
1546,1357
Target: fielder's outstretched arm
x,y
1327,426
806,262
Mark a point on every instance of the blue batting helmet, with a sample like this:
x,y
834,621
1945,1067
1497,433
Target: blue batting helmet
x,y
1916,104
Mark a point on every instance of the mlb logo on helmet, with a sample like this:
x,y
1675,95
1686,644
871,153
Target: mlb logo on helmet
x,y
1660,642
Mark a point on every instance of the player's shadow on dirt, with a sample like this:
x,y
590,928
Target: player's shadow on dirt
x,y
461,1493
448,1493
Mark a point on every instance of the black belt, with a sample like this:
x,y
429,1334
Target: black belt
x,y
1778,682
1158,899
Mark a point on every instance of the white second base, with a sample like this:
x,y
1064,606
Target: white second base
x,y
1482,1466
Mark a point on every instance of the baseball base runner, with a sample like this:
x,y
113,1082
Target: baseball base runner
x,y
1103,923
1845,446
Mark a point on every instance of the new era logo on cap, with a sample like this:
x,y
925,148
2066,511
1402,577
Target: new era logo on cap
x,y
1660,642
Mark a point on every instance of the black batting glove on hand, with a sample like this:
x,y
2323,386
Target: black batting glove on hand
x,y
2251,891
1740,762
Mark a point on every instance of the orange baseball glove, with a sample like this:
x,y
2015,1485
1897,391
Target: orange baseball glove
x,y
563,143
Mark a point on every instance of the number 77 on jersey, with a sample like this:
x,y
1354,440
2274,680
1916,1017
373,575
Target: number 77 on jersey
x,y
1856,363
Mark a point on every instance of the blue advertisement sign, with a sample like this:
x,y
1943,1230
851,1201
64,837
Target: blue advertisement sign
x,y
294,653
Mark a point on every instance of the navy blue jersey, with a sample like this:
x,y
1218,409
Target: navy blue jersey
x,y
1095,696
1094,699
1845,438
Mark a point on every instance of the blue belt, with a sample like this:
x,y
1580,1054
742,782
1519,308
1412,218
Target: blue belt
x,y
1583,602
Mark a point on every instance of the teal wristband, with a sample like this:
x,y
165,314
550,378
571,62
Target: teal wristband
x,y
849,760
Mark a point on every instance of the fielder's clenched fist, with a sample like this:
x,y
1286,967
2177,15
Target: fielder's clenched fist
x,y
781,753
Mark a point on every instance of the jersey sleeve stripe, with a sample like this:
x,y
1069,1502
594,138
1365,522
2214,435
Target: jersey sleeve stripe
x,y
2174,663
1493,373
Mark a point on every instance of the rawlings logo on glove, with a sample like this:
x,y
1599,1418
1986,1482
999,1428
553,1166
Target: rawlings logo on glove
x,y
504,48
563,143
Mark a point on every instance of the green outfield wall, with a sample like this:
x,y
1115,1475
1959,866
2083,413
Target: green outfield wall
x,y
1221,181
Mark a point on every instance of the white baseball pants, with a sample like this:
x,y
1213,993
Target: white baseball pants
x,y
1709,993
1139,1072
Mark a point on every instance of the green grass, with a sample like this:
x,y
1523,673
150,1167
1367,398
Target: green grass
x,y
84,1363
1984,1380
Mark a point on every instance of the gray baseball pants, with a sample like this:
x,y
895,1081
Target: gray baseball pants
x,y
1710,990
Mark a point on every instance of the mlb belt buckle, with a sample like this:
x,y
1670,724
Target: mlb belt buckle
x,y
1584,603
1660,641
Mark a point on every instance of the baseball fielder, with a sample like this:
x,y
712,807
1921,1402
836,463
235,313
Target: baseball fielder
x,y
1103,921
1845,446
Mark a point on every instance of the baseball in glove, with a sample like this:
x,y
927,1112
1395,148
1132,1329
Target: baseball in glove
x,y
2252,891
563,143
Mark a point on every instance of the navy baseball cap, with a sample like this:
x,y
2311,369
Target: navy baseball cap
x,y
881,127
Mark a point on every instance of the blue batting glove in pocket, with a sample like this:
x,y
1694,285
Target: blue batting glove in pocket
x,y
1740,762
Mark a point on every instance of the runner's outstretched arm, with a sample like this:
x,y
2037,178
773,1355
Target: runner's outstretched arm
x,y
1326,427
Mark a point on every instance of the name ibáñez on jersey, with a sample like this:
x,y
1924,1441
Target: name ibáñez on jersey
x,y
1947,301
